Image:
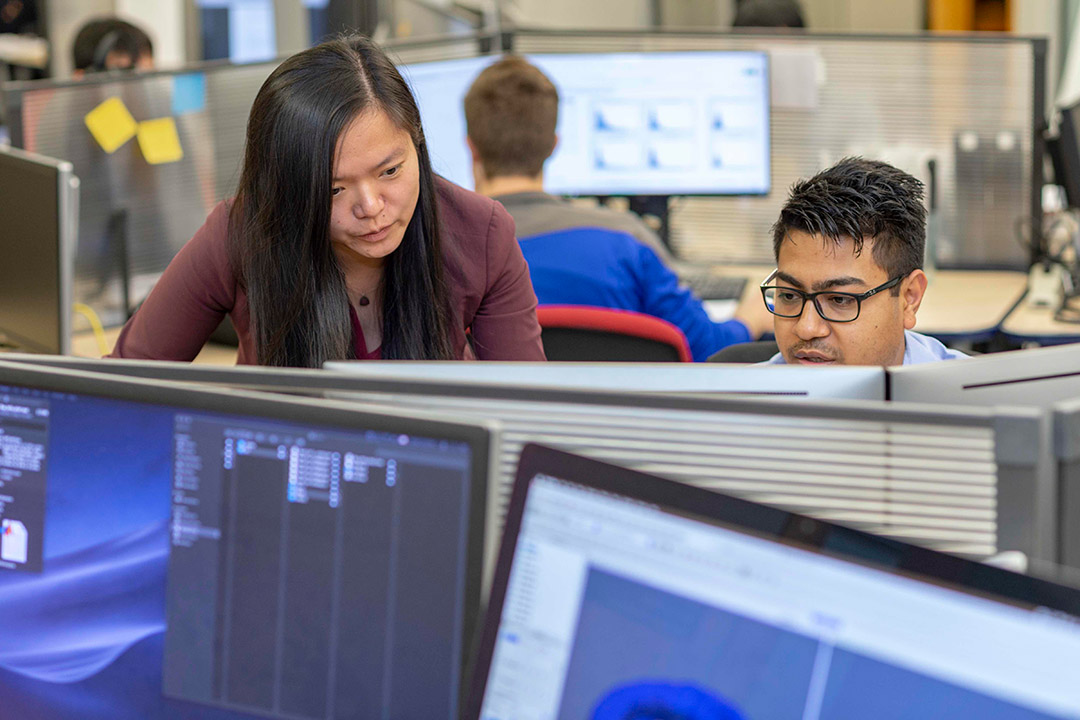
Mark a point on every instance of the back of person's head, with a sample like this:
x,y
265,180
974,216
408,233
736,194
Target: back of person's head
x,y
768,13
510,113
861,199
111,44
280,220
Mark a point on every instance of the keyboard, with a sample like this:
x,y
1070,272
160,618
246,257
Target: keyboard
x,y
715,287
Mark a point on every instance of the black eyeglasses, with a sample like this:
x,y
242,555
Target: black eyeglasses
x,y
831,306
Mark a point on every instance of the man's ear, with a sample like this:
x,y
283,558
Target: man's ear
x,y
479,174
912,290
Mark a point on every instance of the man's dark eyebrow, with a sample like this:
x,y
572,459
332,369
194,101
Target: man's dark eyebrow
x,y
789,280
824,284
838,282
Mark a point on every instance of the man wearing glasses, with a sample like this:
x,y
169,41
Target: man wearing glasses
x,y
848,281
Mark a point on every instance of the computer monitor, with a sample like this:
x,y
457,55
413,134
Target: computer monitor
x,y
629,123
173,552
37,251
1064,150
620,595
1037,378
853,383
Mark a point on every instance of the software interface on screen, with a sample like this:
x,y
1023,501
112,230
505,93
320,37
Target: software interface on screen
x,y
629,123
614,606
172,564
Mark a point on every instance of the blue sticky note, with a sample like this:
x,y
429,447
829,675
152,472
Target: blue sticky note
x,y
189,93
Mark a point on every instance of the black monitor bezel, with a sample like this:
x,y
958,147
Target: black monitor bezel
x,y
300,410
1064,151
57,173
826,538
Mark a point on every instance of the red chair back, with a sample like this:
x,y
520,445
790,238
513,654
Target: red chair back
x,y
592,334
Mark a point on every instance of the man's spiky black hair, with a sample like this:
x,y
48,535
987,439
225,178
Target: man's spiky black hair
x,y
862,200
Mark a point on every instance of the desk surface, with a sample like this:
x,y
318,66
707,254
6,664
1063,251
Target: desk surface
x,y
959,304
85,344
1031,323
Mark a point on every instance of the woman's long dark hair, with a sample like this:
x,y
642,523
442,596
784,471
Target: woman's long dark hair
x,y
279,224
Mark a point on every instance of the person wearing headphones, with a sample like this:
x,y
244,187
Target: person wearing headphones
x,y
107,44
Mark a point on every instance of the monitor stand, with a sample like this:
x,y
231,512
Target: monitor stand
x,y
658,206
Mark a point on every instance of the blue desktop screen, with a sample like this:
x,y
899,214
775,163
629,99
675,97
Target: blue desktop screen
x,y
158,562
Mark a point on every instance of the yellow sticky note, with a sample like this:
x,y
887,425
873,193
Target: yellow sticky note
x,y
111,124
159,141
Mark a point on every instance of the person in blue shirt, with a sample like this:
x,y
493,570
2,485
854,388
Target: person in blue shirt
x,y
849,248
577,256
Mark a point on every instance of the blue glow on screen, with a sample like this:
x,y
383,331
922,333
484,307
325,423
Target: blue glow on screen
x,y
84,638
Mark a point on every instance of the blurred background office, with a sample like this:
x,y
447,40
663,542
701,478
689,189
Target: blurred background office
x,y
192,30
964,113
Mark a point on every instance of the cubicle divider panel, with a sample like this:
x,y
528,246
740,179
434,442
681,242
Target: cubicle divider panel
x,y
1066,418
144,197
916,474
974,105
1069,502
141,202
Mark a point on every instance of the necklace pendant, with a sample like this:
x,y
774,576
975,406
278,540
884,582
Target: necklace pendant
x,y
363,301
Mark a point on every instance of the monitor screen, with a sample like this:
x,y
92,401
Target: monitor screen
x,y
612,603
629,123
224,556
37,251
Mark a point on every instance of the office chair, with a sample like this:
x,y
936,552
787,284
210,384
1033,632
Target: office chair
x,y
747,352
593,334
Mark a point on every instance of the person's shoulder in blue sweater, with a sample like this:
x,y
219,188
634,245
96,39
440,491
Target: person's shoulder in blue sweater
x,y
608,268
577,258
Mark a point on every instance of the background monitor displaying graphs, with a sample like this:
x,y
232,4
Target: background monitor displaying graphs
x,y
677,123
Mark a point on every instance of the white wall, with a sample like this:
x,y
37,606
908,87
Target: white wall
x,y
581,14
64,17
163,21
1041,17
864,15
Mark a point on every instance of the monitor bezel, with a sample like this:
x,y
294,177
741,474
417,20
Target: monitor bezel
x,y
315,383
67,214
300,410
1064,151
953,572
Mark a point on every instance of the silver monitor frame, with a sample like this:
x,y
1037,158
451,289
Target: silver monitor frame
x,y
851,383
1037,377
67,234
1066,418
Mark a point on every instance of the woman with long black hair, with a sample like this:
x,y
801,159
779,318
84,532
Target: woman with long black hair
x,y
341,242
